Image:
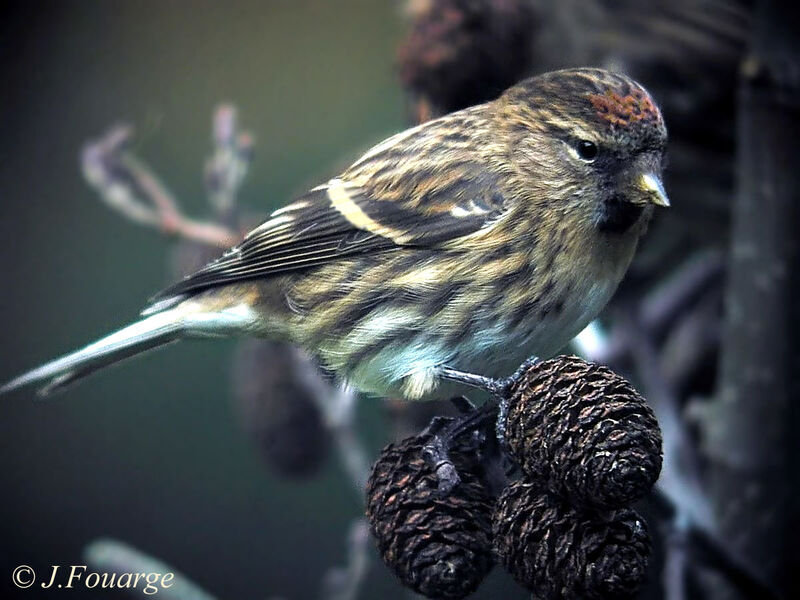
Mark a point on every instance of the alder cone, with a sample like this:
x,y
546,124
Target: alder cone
x,y
562,553
438,545
584,431
458,53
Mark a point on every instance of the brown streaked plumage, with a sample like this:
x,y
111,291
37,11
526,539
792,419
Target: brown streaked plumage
x,y
470,241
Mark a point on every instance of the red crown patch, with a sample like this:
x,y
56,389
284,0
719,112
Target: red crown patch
x,y
624,110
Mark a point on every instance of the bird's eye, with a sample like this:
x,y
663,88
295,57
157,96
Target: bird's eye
x,y
587,150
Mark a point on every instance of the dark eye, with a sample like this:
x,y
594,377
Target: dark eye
x,y
587,150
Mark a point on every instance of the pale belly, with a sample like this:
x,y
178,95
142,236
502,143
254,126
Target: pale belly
x,y
491,347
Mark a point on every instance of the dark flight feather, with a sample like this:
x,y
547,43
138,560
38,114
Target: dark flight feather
x,y
339,220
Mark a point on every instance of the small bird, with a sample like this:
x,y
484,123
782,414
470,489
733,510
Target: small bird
x,y
464,244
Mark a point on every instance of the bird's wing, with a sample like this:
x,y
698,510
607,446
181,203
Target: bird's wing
x,y
339,219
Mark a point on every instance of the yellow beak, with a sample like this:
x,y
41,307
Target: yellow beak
x,y
652,185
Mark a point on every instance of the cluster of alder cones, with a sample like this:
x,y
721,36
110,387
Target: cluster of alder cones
x,y
586,445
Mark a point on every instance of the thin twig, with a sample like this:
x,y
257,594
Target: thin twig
x,y
633,337
131,188
692,339
165,204
680,477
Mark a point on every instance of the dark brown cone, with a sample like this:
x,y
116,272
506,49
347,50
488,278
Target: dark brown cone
x,y
463,52
585,432
277,410
439,546
560,553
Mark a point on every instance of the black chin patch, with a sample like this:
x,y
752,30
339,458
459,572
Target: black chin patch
x,y
617,215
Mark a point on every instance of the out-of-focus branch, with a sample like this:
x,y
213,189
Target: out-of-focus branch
x,y
691,538
674,576
680,290
689,546
226,168
344,583
692,340
676,297
112,556
680,476
633,339
129,187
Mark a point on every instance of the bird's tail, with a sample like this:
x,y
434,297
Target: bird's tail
x,y
184,320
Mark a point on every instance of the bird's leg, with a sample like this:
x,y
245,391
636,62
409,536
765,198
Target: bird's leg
x,y
493,386
506,383
496,387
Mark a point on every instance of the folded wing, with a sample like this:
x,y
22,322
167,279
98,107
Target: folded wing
x,y
418,203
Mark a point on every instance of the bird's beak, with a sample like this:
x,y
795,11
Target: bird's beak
x,y
651,185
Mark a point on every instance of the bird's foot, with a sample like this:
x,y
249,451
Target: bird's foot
x,y
446,432
529,362
491,385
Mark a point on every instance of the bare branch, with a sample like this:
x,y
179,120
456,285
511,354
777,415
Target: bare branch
x,y
129,187
750,430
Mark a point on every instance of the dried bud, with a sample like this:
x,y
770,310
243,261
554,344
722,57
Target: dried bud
x,y
464,52
277,410
437,545
584,431
561,553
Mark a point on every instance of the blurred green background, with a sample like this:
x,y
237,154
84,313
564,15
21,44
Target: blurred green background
x,y
151,452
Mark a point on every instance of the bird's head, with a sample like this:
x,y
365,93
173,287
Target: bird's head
x,y
592,140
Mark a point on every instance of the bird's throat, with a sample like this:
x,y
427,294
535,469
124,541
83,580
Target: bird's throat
x,y
617,215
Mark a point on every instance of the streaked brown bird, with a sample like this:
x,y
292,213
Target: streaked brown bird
x,y
464,244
